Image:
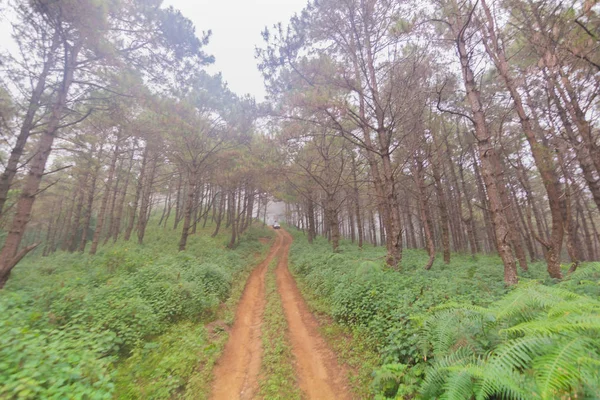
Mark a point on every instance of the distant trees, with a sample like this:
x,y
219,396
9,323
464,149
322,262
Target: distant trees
x,y
73,60
448,126
482,153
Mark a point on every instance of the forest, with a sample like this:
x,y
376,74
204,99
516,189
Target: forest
x,y
439,166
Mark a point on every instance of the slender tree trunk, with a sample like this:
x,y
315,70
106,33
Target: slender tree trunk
x,y
356,202
146,201
120,207
587,234
138,193
49,231
105,198
113,201
596,234
220,214
66,230
10,255
312,231
419,174
27,125
441,196
189,206
233,212
72,230
470,220
487,218
487,155
178,202
90,203
333,221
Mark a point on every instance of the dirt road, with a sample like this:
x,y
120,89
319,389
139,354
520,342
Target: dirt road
x,y
236,372
319,375
317,370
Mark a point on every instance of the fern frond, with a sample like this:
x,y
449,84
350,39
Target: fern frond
x,y
524,302
506,384
460,385
567,323
559,371
590,273
516,354
435,378
579,306
446,328
461,306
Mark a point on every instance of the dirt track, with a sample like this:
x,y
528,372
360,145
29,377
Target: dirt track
x,y
319,375
317,370
236,372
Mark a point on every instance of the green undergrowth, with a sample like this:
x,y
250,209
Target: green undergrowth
x,y
277,376
384,312
127,322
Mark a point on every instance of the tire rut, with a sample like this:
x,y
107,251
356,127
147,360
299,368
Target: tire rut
x,y
236,372
319,374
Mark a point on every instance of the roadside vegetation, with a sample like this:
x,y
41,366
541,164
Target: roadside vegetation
x,y
456,331
129,321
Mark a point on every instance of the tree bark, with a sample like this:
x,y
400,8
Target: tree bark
x,y
419,174
27,125
487,154
138,193
144,214
9,255
105,197
189,207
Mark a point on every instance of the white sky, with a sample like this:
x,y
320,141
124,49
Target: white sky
x,y
236,26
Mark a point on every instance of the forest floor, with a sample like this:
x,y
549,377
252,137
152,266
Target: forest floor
x,y
237,374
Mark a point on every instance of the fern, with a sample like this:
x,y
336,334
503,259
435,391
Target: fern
x,y
559,371
551,347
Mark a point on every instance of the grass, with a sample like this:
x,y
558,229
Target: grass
x,y
278,380
134,321
371,315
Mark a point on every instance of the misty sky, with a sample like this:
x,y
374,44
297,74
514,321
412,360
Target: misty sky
x,y
236,27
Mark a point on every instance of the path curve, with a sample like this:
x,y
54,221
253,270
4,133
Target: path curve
x,y
236,372
319,374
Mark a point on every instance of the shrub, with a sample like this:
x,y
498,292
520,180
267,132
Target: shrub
x,y
39,361
357,289
65,319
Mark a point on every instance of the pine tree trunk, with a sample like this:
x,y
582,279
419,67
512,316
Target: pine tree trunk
x,y
10,255
74,225
487,154
105,198
121,203
441,196
28,123
189,206
146,200
138,193
90,203
419,174
470,220
220,214
233,212
113,202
